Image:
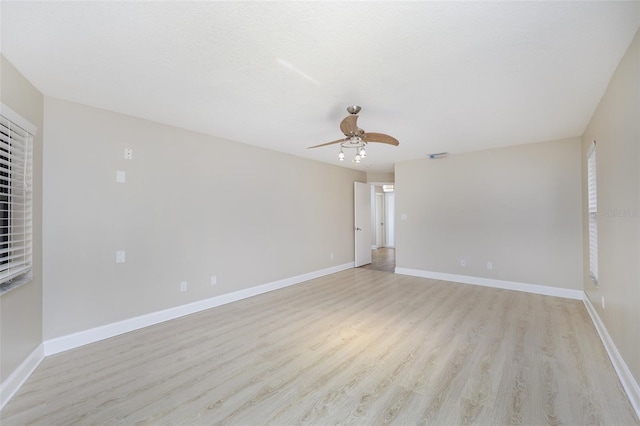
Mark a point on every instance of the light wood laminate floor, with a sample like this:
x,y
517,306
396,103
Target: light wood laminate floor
x,y
356,347
382,259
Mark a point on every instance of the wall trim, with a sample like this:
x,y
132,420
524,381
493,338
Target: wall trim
x,y
489,282
81,338
624,374
14,382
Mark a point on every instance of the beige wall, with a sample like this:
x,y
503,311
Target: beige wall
x,y
381,177
21,308
518,207
193,206
616,128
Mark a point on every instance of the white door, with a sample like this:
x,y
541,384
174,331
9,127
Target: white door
x,y
362,208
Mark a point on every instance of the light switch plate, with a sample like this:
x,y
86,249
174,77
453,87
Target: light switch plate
x,y
121,176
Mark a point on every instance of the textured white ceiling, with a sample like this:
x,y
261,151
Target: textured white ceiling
x,y
438,76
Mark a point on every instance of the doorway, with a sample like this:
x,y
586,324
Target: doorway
x,y
383,209
383,228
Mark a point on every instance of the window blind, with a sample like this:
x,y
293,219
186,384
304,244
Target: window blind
x,y
16,200
593,213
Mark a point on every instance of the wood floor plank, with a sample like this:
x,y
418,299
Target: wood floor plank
x,y
357,347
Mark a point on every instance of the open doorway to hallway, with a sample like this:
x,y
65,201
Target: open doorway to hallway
x,y
383,216
383,254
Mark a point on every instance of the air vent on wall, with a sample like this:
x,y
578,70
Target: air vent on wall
x,y
438,156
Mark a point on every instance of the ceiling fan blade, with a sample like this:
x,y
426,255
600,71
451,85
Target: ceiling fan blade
x,y
349,125
380,138
328,143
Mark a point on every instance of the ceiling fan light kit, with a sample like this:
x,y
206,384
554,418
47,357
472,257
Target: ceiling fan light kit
x,y
356,138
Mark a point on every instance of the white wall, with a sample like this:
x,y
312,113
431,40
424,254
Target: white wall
x,y
518,207
615,126
193,206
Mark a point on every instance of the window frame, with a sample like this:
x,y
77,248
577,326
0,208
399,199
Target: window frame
x,y
592,212
16,199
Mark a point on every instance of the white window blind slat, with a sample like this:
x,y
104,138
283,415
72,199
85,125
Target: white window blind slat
x,y
11,162
7,134
16,238
18,142
15,155
17,258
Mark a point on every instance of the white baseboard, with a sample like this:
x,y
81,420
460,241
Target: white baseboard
x,y
9,387
624,374
71,341
489,282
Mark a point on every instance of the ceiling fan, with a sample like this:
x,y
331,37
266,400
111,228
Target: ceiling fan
x,y
356,137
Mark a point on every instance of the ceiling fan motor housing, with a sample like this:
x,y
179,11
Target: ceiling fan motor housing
x,y
353,109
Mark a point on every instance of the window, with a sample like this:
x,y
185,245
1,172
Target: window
x,y
593,213
16,197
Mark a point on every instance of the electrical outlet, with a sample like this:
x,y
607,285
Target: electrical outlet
x,y
214,280
463,262
331,256
183,286
489,265
121,176
120,256
128,154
